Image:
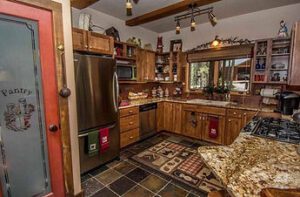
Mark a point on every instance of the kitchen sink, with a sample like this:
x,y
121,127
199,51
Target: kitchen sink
x,y
208,102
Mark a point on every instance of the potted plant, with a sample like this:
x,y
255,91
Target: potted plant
x,y
221,92
209,91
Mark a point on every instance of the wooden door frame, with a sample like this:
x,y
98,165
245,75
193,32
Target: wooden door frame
x,y
57,25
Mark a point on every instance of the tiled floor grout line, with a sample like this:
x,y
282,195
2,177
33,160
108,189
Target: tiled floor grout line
x,y
164,186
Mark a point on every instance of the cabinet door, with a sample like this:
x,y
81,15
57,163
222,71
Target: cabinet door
x,y
141,61
160,116
79,40
150,66
247,117
206,126
233,129
168,116
294,70
99,43
177,118
191,124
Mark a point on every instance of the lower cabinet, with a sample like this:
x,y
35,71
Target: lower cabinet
x,y
217,138
129,126
191,124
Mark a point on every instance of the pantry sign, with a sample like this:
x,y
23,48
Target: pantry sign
x,y
17,115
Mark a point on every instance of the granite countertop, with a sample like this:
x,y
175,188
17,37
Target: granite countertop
x,y
253,163
185,101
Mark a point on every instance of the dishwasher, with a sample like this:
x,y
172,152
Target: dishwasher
x,y
147,120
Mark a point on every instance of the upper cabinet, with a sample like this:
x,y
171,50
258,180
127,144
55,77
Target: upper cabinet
x,y
294,71
92,42
145,65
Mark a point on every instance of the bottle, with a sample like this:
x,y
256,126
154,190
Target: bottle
x,y
263,66
257,66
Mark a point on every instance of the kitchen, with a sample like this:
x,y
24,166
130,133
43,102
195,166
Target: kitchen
x,y
136,98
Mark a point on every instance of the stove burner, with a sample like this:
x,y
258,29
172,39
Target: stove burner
x,y
278,129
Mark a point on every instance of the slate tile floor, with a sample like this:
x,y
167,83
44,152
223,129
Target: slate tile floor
x,y
127,178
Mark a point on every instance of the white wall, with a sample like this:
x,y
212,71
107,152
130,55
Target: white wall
x,y
72,99
256,25
107,21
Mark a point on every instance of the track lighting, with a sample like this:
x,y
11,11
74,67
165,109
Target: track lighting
x,y
192,13
128,8
178,27
193,24
212,18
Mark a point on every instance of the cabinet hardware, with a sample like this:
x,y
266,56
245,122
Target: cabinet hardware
x,y
234,113
53,128
130,123
130,112
61,47
131,137
245,114
86,46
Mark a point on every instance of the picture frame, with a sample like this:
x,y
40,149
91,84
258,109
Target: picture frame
x,y
175,45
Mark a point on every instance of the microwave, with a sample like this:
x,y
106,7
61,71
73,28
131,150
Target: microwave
x,y
126,71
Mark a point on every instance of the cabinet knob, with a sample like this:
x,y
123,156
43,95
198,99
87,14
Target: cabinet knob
x,y
234,113
229,120
86,46
130,112
245,114
131,137
130,123
53,128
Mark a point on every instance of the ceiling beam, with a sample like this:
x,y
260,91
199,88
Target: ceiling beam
x,y
80,4
167,11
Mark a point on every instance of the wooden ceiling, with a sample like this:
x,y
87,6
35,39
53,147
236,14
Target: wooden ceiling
x,y
167,11
80,4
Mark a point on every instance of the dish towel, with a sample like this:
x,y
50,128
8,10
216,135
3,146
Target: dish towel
x,y
93,143
213,127
104,139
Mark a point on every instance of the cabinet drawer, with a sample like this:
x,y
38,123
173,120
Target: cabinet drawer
x,y
129,111
235,113
129,122
129,137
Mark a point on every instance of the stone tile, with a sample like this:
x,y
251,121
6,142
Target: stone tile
x,y
122,185
138,191
98,170
108,176
191,195
85,177
91,186
126,154
172,191
153,183
105,192
137,175
124,167
114,163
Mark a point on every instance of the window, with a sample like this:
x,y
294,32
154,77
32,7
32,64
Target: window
x,y
201,75
231,73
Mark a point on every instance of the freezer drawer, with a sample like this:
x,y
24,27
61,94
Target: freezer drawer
x,y
88,163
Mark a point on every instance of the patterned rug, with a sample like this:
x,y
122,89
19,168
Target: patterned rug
x,y
181,163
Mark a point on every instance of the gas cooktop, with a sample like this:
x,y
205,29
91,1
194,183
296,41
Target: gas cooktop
x,y
277,129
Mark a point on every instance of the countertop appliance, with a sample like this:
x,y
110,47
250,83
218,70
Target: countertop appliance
x,y
276,129
288,101
147,120
97,105
126,70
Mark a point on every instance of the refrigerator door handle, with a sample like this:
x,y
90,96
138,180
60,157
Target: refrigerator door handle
x,y
116,91
86,134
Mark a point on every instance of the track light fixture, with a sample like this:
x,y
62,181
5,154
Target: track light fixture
x,y
192,13
178,27
128,8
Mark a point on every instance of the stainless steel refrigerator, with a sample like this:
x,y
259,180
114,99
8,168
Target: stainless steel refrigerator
x,y
97,105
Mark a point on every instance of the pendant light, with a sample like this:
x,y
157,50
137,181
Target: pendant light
x,y
193,24
216,43
178,27
212,18
128,8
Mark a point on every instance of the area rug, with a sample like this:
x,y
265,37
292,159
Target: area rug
x,y
181,163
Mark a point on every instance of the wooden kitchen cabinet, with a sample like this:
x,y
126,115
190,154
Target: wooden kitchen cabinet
x,y
160,116
92,42
205,118
177,118
129,126
145,65
80,42
191,124
168,116
294,70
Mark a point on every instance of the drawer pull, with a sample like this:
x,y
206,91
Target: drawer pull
x,y
131,137
245,114
130,123
130,112
234,113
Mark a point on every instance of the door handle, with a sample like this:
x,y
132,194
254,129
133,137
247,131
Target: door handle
x,y
53,128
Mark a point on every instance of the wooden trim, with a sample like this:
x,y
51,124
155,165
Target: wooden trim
x,y
80,4
56,9
221,53
167,11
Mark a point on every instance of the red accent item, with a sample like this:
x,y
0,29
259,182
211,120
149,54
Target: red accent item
x,y
104,139
213,127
